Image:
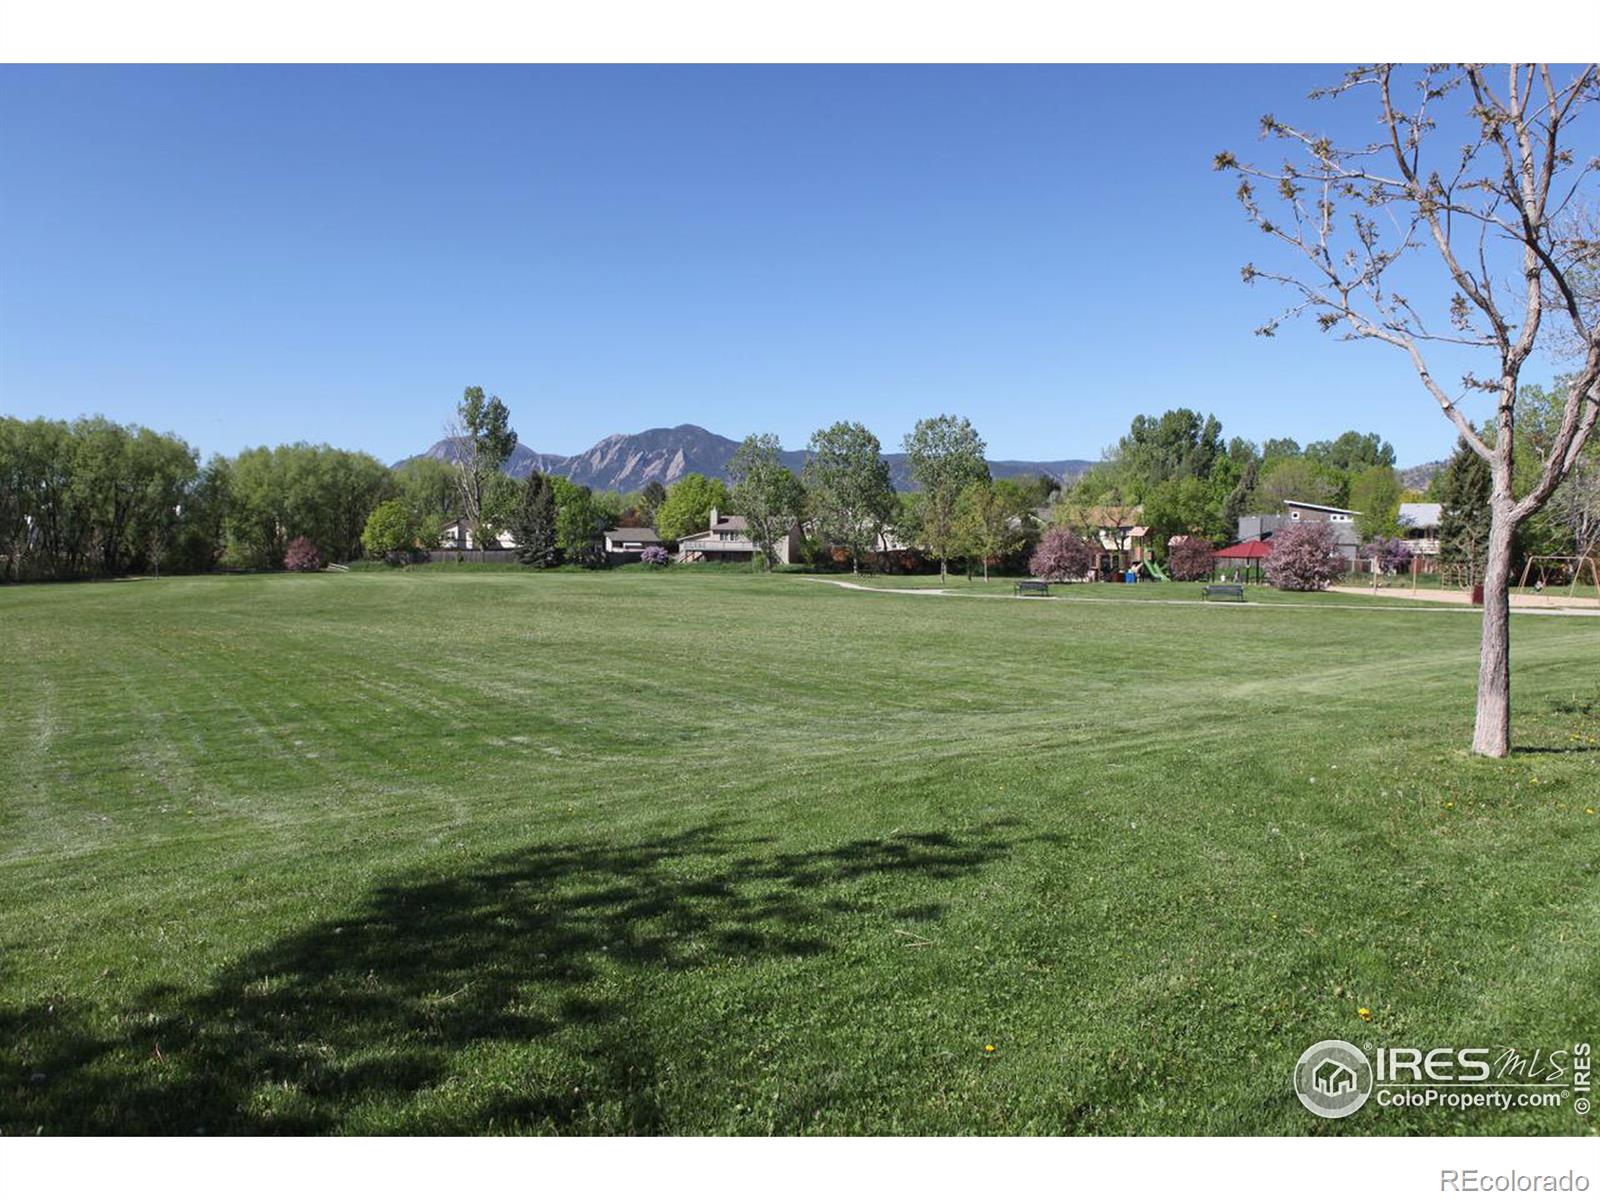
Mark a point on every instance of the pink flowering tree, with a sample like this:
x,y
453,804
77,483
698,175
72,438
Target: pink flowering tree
x,y
1061,555
302,555
1304,558
1191,559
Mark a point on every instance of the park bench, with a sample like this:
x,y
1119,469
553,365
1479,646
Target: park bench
x,y
1223,591
1033,587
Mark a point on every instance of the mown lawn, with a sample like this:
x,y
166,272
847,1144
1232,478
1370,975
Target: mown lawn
x,y
486,851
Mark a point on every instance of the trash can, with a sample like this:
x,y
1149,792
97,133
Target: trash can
x,y
1477,594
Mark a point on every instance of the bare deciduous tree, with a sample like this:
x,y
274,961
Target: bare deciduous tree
x,y
1494,211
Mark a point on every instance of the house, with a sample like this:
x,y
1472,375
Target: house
x,y
629,542
458,536
1419,526
728,540
1261,527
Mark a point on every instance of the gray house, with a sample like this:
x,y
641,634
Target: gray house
x,y
629,542
1295,512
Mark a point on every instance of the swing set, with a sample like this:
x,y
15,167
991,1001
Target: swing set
x,y
1559,569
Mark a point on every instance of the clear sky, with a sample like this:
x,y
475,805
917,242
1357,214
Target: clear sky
x,y
253,255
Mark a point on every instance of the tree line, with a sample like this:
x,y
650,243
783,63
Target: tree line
x,y
91,497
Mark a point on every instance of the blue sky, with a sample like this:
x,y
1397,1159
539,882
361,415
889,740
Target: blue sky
x,y
255,255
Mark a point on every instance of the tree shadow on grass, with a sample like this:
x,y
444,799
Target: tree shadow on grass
x,y
538,957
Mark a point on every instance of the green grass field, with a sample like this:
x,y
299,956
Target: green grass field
x,y
457,851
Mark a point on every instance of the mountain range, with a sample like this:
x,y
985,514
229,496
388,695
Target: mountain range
x,y
625,462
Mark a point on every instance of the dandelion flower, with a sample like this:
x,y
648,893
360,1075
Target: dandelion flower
x,y
1364,1013
989,1049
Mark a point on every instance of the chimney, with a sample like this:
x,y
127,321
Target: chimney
x,y
713,516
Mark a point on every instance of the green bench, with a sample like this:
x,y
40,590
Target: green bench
x,y
1223,591
1033,587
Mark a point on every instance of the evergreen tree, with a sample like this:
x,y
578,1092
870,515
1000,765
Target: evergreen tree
x,y
1464,523
535,527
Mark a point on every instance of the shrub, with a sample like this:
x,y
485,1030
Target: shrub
x,y
1393,556
302,555
1061,555
1304,558
1190,559
654,556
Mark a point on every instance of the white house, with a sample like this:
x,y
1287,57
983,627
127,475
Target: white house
x,y
458,536
728,540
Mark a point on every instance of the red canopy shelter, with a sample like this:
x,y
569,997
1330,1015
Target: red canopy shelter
x,y
1245,554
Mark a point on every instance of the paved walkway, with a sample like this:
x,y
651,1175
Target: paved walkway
x,y
1454,609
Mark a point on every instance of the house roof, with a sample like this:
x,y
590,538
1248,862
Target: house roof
x,y
633,533
1327,508
1421,516
731,524
1255,548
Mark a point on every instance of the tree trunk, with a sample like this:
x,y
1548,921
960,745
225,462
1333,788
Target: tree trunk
x,y
941,571
1491,733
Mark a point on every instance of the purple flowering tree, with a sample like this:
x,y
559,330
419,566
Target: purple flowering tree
x,y
654,556
1391,554
302,555
1304,558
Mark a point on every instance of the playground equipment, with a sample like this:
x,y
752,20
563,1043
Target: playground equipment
x,y
1156,571
1562,568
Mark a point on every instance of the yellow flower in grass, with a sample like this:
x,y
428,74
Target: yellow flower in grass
x,y
1364,1013
989,1049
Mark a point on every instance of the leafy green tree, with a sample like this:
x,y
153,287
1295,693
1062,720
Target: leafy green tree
x,y
848,487
989,520
1179,444
688,504
579,522
316,492
390,530
535,524
1352,452
1296,479
1274,449
1375,495
945,454
765,492
1181,506
480,439
431,491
